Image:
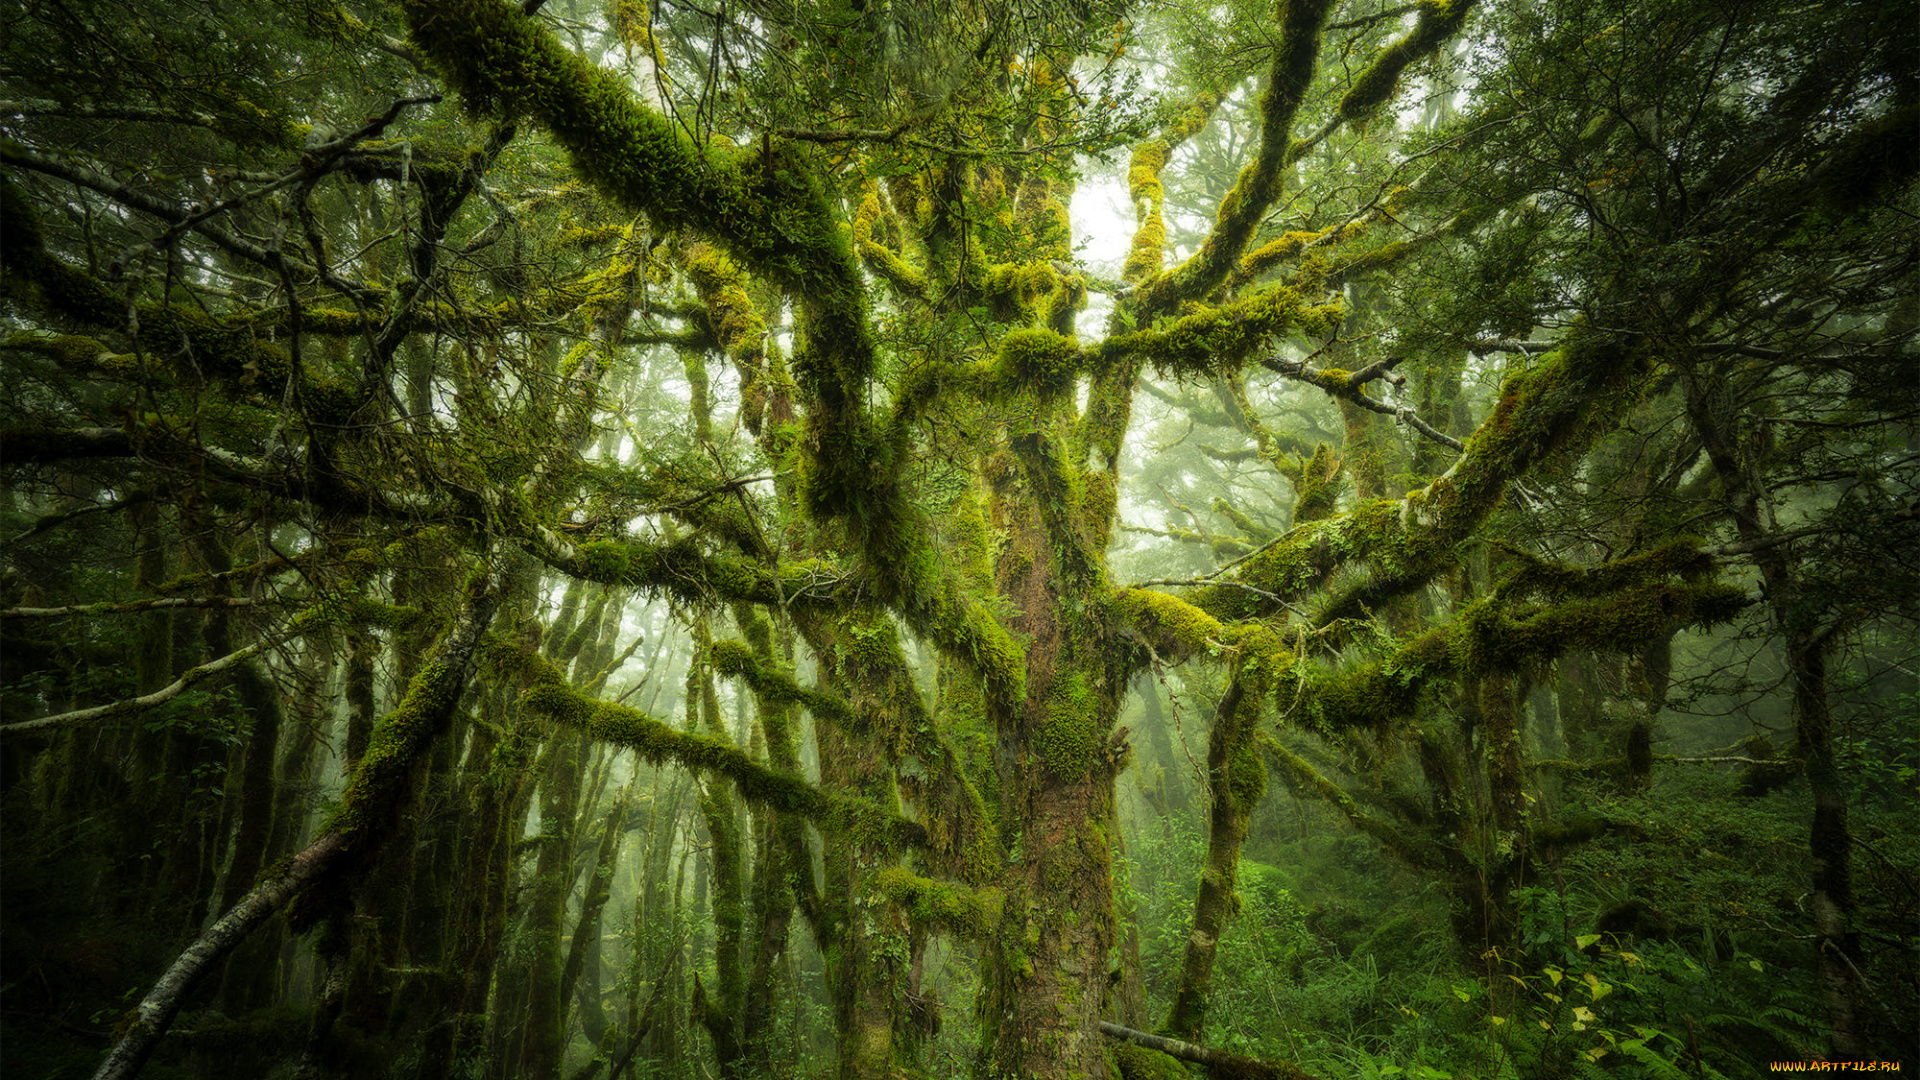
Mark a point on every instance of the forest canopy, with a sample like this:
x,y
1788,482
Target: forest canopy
x,y
1032,539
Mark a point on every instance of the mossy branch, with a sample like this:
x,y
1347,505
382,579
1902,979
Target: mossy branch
x,y
737,658
969,914
1305,776
1439,21
1213,338
1220,1063
1552,408
1149,196
1296,59
380,780
548,694
768,213
198,346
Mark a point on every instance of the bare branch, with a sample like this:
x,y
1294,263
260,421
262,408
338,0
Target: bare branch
x,y
148,701
157,604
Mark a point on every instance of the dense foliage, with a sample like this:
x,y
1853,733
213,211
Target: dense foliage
x,y
1016,539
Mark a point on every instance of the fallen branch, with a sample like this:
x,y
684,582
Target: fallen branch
x,y
1232,1065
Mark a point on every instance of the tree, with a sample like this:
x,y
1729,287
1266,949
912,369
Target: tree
x,y
430,375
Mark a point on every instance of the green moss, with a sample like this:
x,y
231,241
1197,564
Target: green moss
x,y
1039,360
1174,626
548,694
1073,728
1213,339
1374,87
730,657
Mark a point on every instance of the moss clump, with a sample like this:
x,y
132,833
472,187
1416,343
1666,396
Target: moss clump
x,y
1072,730
970,914
1039,361
1175,627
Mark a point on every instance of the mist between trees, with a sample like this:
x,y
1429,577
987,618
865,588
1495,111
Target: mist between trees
x,y
882,539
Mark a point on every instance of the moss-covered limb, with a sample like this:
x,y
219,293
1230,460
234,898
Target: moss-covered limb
x,y
1222,1063
1296,58
1236,781
548,694
730,311
1551,408
767,212
1230,389
1318,483
1489,636
1101,433
682,569
1287,247
908,281
738,659
1032,364
174,441
264,568
1176,629
1149,196
130,606
1057,489
197,346
148,1022
80,355
1439,21
968,914
861,655
1206,341
1173,627
1303,776
135,705
475,317
1223,547
711,502
1562,835
1547,579
1251,529
17,156
423,712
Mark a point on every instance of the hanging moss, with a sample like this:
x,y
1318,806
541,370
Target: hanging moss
x,y
1317,486
880,258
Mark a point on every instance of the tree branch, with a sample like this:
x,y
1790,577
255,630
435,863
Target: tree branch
x,y
1229,1064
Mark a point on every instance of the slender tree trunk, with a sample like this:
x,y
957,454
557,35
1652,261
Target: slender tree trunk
x,y
1236,779
1796,618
